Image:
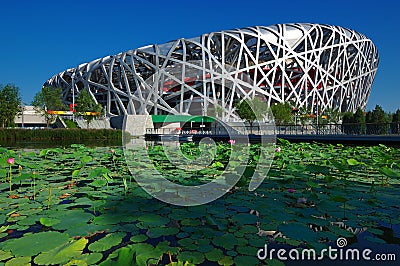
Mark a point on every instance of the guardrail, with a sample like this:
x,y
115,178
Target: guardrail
x,y
312,129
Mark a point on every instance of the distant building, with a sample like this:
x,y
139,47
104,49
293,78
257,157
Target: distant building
x,y
311,65
29,118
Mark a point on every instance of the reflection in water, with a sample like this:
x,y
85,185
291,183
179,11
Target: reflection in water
x,y
44,144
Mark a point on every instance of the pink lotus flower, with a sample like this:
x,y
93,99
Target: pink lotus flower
x,y
291,190
112,150
231,141
10,161
277,149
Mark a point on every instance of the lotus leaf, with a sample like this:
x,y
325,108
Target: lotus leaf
x,y
72,218
204,248
76,262
226,261
247,250
99,183
256,241
106,242
156,232
86,159
297,231
31,220
390,172
241,241
375,231
19,261
231,253
292,242
352,162
191,256
107,219
125,257
188,243
227,241
84,229
339,231
4,255
144,252
214,255
375,240
153,220
49,221
249,229
182,235
139,238
63,253
89,258
275,262
165,247
191,222
246,218
246,260
33,244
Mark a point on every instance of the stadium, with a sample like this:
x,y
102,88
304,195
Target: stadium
x,y
310,65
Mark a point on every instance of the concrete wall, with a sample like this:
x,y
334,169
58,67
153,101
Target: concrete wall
x,y
102,123
136,124
29,117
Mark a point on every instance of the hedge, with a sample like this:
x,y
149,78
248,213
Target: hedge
x,y
59,134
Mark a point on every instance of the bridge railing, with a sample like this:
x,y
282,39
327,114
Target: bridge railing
x,y
311,129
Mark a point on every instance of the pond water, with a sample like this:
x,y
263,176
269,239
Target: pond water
x,y
44,144
80,205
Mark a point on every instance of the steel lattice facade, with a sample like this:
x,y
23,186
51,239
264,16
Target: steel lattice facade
x,y
310,65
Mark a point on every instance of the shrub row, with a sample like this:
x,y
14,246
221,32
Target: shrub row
x,y
70,124
59,133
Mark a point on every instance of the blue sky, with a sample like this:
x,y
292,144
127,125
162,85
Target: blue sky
x,y
41,38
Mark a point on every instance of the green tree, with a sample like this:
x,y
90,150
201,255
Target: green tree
x,y
354,123
282,113
359,121
396,116
347,123
304,115
333,115
377,121
85,103
378,115
251,110
10,105
46,99
347,118
395,125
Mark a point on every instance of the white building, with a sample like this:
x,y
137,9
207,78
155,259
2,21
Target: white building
x,y
30,119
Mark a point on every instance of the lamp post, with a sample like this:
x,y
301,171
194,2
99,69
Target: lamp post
x,y
316,128
23,111
73,96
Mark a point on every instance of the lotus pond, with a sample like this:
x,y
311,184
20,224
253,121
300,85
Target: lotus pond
x,y
79,205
